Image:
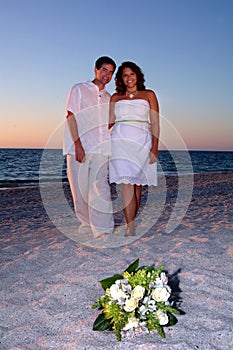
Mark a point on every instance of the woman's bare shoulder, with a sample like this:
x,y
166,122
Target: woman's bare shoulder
x,y
150,93
115,97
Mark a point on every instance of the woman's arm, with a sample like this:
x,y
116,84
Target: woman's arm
x,y
112,116
155,128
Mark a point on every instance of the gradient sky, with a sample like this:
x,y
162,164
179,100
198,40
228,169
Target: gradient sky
x,y
184,48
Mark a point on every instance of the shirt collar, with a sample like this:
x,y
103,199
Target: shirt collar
x,y
96,87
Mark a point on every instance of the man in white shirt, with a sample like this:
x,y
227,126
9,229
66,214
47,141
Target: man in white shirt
x,y
87,146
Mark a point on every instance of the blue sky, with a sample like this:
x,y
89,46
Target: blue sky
x,y
184,48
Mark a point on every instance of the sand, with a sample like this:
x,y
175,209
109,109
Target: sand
x,y
49,281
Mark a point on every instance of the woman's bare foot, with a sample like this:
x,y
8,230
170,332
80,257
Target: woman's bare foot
x,y
130,232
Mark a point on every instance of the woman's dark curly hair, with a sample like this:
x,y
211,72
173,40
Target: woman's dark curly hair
x,y
120,86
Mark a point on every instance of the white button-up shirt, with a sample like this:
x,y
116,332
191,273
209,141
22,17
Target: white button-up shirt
x,y
91,110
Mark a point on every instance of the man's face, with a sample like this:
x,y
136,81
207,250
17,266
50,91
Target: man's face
x,y
105,73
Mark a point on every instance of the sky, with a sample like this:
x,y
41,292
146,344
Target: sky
x,y
184,48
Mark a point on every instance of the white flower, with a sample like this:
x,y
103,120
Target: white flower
x,y
122,281
160,294
143,310
162,317
148,305
124,284
164,277
130,304
126,288
158,282
132,323
151,305
116,293
138,292
145,300
114,290
162,282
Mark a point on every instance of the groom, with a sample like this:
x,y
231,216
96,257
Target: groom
x,y
87,147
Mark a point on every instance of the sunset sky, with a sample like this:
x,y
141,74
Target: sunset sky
x,y
184,48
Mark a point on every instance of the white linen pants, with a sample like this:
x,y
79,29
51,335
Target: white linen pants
x,y
91,193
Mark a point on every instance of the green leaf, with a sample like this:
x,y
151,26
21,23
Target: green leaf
x,y
107,282
96,304
160,269
101,323
118,334
132,267
172,320
161,331
147,268
168,308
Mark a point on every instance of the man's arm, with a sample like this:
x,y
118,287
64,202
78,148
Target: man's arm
x,y
73,129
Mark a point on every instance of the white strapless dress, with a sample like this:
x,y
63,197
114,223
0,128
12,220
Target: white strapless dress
x,y
131,143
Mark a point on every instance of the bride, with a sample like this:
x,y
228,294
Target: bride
x,y
134,124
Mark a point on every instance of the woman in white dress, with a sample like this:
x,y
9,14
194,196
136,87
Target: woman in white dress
x,y
134,119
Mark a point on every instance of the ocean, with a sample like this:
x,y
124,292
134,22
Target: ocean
x,y
29,167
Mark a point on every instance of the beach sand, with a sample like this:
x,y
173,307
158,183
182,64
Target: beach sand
x,y
49,281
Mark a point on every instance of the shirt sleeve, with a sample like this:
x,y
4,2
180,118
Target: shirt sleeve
x,y
73,99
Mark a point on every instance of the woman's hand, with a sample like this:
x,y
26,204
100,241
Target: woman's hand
x,y
153,156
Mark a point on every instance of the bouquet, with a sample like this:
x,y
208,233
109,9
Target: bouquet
x,y
138,300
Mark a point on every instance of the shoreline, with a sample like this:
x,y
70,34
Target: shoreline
x,y
49,282
37,183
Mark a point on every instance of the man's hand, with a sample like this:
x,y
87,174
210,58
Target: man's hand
x,y
79,151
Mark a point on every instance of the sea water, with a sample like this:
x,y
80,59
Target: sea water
x,y
29,167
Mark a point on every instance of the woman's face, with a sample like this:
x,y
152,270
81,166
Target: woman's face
x,y
129,78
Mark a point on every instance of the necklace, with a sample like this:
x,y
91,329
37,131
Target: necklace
x,y
131,94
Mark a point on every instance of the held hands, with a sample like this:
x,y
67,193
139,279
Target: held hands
x,y
79,151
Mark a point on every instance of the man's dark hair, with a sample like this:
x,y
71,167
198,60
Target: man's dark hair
x,y
104,60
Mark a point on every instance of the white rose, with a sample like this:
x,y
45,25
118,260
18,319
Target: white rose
x,y
138,292
132,323
160,294
114,289
130,304
116,293
162,317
